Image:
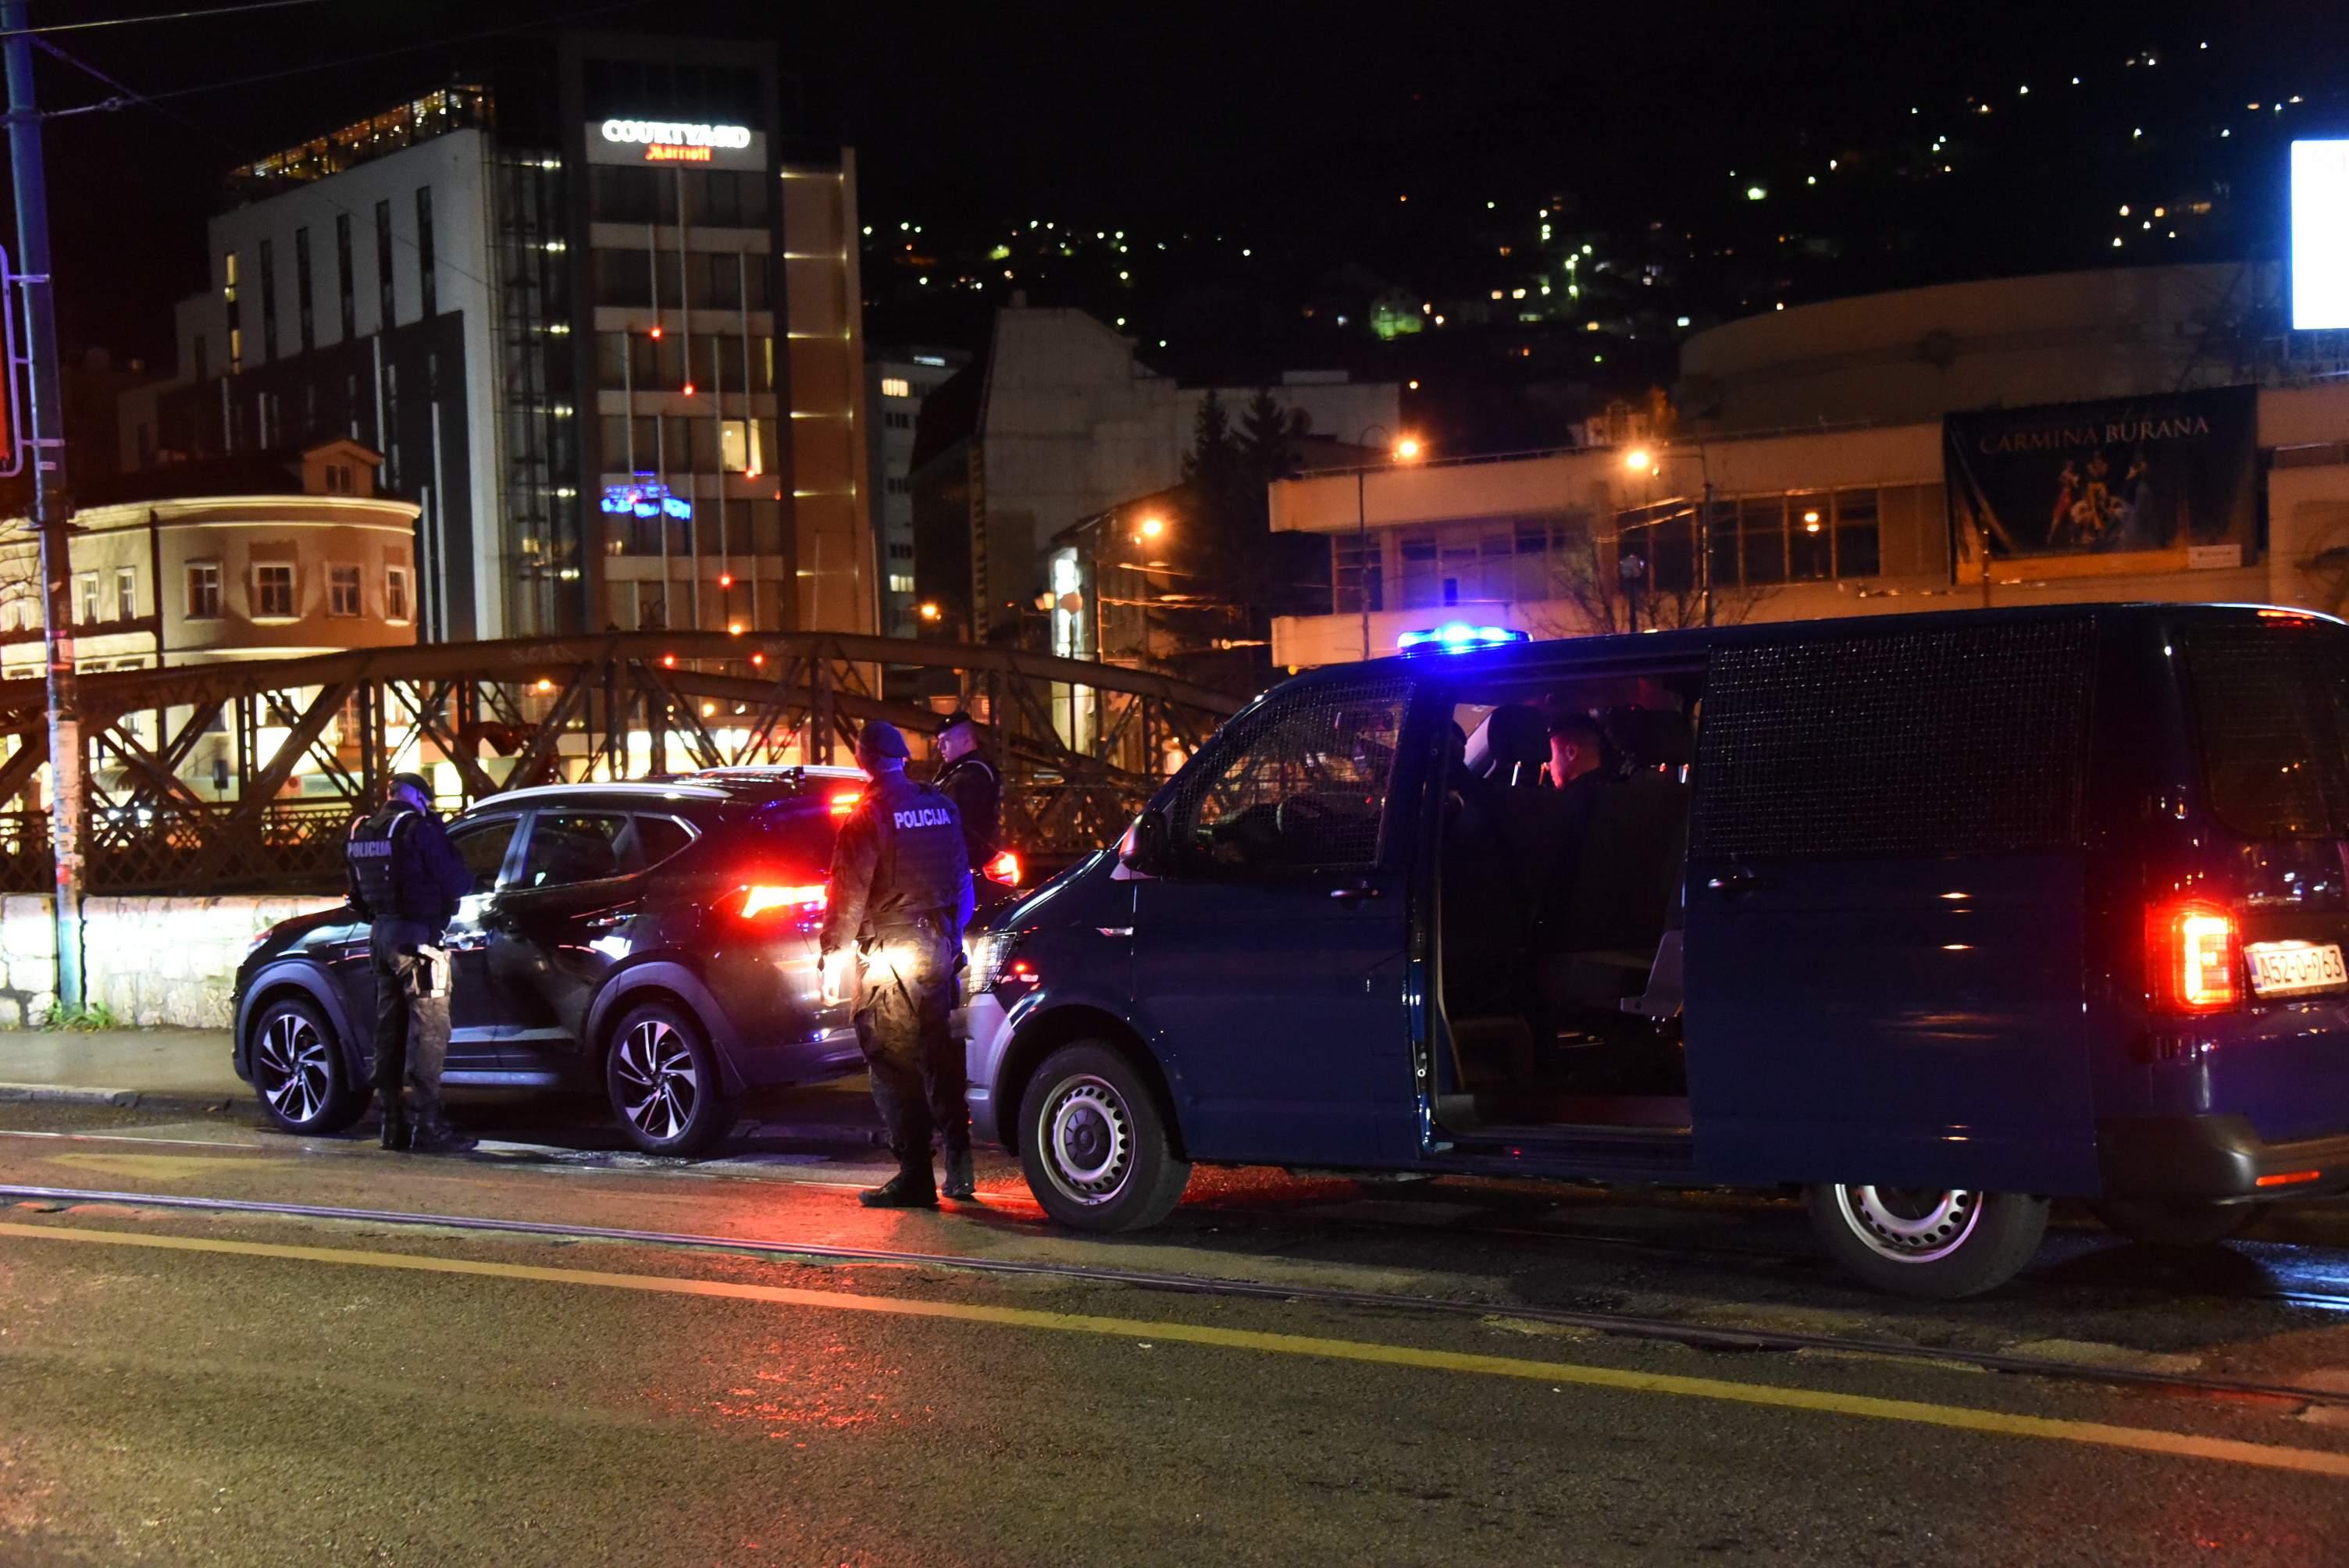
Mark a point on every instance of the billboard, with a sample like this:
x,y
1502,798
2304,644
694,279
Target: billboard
x,y
2320,236
2175,472
687,143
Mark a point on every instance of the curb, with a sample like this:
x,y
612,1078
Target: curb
x,y
126,1099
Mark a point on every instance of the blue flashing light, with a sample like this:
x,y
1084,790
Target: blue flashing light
x,y
645,497
1460,637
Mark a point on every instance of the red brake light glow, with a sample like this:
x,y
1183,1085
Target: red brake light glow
x,y
765,900
2194,957
2287,1178
1006,869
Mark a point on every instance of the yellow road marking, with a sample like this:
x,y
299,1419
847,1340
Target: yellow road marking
x,y
161,1166
1916,1412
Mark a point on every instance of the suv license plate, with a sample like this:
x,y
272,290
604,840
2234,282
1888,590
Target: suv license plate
x,y
2290,968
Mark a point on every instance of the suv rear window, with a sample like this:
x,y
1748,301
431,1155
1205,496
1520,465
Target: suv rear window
x,y
2271,703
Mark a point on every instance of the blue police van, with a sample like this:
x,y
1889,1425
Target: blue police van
x,y
1933,917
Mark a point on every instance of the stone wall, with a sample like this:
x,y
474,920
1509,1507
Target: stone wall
x,y
148,961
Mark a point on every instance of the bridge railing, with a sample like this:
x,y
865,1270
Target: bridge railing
x,y
246,774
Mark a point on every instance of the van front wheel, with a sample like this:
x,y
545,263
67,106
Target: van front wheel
x,y
1094,1148
1940,1245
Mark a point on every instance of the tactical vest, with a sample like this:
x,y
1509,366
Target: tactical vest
x,y
383,860
922,861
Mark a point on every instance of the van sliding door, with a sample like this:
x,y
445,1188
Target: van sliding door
x,y
1884,959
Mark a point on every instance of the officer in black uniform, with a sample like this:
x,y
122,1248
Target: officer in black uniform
x,y
405,881
901,894
971,782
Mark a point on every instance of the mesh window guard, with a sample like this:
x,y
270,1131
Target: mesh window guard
x,y
2271,704
1304,784
1958,740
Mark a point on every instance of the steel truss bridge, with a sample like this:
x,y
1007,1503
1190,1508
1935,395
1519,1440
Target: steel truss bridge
x,y
245,774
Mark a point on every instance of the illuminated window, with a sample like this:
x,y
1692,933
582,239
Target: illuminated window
x,y
203,590
893,387
901,582
88,583
395,593
733,446
273,591
126,593
342,590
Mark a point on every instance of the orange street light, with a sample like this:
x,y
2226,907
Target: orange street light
x,y
1639,460
930,611
1407,450
1152,526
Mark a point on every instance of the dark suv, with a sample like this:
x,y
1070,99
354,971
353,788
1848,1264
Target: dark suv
x,y
657,940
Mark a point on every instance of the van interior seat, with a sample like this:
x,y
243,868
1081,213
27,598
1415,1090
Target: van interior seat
x,y
1599,943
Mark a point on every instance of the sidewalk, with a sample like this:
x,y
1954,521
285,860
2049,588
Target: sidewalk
x,y
165,1067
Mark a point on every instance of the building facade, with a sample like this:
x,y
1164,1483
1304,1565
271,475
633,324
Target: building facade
x,y
600,315
1058,421
1833,522
896,381
319,564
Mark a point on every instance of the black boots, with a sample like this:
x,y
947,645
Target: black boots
x,y
394,1126
435,1136
962,1182
903,1191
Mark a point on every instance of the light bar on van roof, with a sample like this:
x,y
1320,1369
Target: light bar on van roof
x,y
1459,637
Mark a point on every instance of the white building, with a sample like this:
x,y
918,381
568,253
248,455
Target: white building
x,y
896,380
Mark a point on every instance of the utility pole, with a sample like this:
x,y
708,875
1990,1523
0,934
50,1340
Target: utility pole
x,y
52,507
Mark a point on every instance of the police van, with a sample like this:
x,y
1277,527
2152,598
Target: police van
x,y
1934,918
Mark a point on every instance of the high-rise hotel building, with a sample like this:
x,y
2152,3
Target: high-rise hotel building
x,y
600,315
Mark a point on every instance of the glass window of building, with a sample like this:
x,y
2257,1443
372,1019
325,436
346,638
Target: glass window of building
x,y
268,300
1858,552
894,387
395,593
126,593
1810,537
386,316
273,591
343,275
203,590
85,583
425,282
302,292
342,591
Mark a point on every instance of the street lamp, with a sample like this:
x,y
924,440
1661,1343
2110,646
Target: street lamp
x,y
1643,460
1150,528
1404,449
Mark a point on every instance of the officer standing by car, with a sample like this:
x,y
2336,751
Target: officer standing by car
x,y
971,782
405,879
900,895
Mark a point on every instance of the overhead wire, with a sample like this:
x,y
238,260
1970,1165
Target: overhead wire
x,y
159,16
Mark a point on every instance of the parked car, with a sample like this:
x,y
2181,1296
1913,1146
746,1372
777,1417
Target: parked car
x,y
1931,917
656,941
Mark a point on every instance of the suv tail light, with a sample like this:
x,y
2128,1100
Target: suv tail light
x,y
2194,957
762,900
1006,869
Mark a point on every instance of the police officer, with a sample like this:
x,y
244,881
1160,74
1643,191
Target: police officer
x,y
405,879
901,894
971,782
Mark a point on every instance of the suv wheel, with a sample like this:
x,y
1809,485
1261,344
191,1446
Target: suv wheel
x,y
662,1077
1939,1245
1095,1150
299,1069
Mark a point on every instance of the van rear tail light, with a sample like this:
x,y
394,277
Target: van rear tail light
x,y
2194,957
1006,869
763,900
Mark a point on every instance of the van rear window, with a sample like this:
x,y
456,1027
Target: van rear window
x,y
2271,704
1911,743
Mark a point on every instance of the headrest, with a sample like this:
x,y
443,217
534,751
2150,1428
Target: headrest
x,y
1511,738
1651,736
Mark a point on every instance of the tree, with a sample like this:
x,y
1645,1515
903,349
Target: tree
x,y
1591,597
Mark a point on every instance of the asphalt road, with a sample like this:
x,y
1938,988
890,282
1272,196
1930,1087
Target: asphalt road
x,y
232,1386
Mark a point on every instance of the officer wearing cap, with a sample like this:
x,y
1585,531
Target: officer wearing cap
x,y
406,878
971,782
901,894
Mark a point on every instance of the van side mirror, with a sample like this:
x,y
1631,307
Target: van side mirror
x,y
1144,849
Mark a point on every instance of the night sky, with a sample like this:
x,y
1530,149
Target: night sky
x,y
1301,126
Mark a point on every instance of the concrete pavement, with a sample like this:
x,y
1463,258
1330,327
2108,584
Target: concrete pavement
x,y
186,1069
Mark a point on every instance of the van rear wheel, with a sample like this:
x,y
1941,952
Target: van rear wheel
x,y
2176,1222
1939,1245
1096,1150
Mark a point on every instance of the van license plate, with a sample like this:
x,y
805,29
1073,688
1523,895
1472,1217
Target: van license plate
x,y
2289,968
